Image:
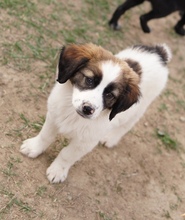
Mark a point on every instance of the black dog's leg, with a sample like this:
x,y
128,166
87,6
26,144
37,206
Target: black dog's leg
x,y
121,10
144,19
179,26
152,15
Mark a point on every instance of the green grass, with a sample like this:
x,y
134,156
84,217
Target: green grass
x,y
26,124
41,191
14,202
167,140
23,207
103,216
8,171
181,104
36,125
163,107
36,43
18,6
11,167
38,31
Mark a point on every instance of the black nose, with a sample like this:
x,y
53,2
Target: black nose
x,y
88,110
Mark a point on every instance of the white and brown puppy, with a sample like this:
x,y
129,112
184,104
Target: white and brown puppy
x,y
98,98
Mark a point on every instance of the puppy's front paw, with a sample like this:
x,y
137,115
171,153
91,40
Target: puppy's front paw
x,y
57,172
31,148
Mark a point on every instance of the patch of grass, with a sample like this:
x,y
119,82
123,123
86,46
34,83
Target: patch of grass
x,y
103,216
163,107
169,92
181,104
41,190
6,192
168,142
9,171
166,215
13,201
22,52
102,6
33,41
36,125
38,31
18,6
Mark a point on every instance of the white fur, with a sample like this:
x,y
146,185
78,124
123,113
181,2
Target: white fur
x,y
85,134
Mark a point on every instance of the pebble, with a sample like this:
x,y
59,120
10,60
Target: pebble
x,y
69,197
182,119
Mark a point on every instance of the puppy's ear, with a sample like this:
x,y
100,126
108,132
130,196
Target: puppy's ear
x,y
129,96
71,60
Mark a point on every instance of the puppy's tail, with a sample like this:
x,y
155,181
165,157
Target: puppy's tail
x,y
164,52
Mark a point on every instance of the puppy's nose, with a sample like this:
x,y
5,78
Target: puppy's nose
x,y
88,110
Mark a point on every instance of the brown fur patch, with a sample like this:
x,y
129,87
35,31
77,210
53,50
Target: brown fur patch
x,y
74,58
129,92
135,66
92,52
90,72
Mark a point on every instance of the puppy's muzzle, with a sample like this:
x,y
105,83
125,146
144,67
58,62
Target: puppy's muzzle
x,y
86,110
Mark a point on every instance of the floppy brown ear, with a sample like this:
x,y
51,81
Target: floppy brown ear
x,y
71,60
130,95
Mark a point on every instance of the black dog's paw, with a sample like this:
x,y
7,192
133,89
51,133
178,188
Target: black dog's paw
x,y
114,26
179,30
144,25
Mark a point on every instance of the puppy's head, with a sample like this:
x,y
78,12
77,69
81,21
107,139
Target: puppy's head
x,y
100,80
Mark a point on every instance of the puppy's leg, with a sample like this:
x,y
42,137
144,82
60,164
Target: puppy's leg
x,y
179,26
58,170
33,147
151,15
121,10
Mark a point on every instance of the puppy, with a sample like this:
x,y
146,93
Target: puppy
x,y
98,97
160,8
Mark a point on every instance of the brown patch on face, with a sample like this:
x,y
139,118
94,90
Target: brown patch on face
x,y
87,78
74,57
129,92
110,94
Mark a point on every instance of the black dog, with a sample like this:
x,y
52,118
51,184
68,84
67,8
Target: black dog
x,y
160,8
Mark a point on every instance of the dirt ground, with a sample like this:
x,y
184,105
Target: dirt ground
x,y
143,178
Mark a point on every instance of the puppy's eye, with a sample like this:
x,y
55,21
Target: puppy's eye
x,y
109,95
89,81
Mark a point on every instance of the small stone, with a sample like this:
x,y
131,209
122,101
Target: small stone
x,y
182,119
69,197
160,133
